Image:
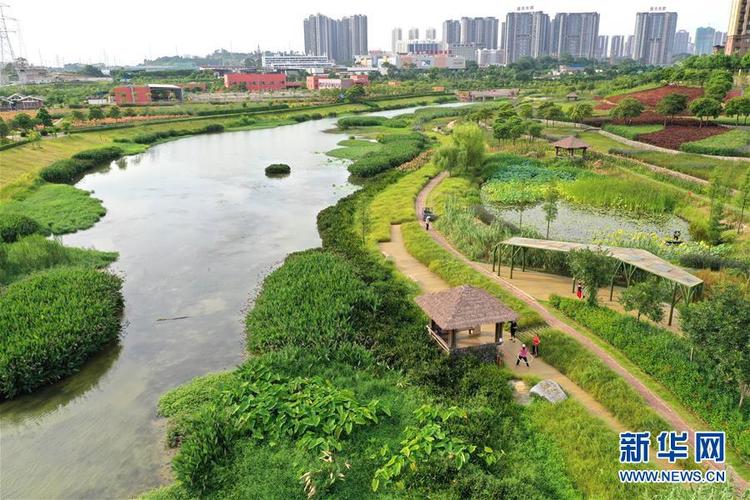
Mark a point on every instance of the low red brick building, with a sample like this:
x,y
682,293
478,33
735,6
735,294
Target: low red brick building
x,y
361,79
256,82
132,95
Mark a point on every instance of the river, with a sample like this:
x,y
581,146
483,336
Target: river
x,y
198,225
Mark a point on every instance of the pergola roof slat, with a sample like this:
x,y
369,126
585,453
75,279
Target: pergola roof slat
x,y
642,259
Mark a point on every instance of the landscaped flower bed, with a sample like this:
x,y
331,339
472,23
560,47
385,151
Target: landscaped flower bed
x,y
673,136
650,97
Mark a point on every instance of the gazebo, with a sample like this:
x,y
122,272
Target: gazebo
x,y
570,144
572,96
464,309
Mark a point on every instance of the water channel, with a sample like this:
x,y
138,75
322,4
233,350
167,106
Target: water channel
x,y
197,225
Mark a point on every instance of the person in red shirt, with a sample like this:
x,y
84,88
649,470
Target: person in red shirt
x,y
535,345
579,292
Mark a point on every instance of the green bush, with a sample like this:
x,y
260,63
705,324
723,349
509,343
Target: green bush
x,y
69,170
397,149
632,131
731,143
278,169
52,322
311,301
671,361
360,121
14,225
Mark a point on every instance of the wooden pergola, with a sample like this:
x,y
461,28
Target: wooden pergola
x,y
572,96
463,309
571,144
684,286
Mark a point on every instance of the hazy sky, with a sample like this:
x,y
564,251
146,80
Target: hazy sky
x,y
124,32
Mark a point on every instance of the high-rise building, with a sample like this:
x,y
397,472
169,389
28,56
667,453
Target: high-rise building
x,y
602,47
396,36
616,47
654,36
430,34
451,32
479,31
738,39
526,35
629,47
704,40
681,41
337,39
413,34
574,34
469,51
720,38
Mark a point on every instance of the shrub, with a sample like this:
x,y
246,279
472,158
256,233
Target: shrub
x,y
398,149
53,321
360,121
213,128
668,359
14,225
309,302
278,169
67,171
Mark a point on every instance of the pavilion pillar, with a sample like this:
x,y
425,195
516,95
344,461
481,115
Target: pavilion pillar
x,y
574,284
523,259
453,339
672,303
498,332
512,260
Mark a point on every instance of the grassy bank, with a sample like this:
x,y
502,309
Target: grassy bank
x,y
667,358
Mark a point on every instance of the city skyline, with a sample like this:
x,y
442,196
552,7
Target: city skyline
x,y
48,39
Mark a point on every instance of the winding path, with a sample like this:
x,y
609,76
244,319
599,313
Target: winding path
x,y
657,403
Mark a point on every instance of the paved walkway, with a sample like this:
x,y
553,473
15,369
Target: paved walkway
x,y
659,405
429,282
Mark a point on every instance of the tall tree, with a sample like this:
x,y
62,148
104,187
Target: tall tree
x,y
114,112
734,107
78,116
96,113
23,122
510,128
550,206
446,157
627,109
645,298
720,328
43,117
705,107
469,139
593,268
4,129
671,105
580,112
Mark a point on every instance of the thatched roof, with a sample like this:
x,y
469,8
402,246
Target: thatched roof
x,y
464,307
572,94
571,142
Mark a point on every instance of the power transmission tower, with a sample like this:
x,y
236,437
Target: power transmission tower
x,y
7,56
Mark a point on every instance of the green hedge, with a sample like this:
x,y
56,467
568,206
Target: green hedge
x,y
152,137
593,376
666,357
14,225
52,322
693,147
360,121
397,149
69,170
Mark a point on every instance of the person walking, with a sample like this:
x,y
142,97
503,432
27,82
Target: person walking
x,y
513,330
535,345
523,354
499,352
427,223
579,292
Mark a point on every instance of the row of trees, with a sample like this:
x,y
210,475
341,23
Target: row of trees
x,y
24,123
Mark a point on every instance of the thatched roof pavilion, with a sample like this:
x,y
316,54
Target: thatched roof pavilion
x,y
571,144
463,308
572,96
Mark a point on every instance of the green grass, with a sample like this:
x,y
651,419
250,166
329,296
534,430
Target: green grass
x,y
395,203
622,192
731,143
593,376
456,273
58,208
453,187
600,143
632,131
590,449
667,358
354,149
35,253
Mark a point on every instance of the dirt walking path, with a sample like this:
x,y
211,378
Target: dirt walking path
x,y
657,403
429,282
